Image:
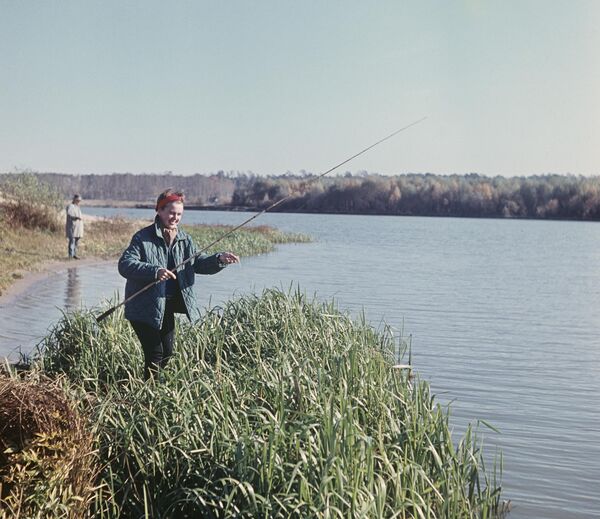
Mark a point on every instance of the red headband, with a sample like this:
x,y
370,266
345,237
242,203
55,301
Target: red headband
x,y
168,199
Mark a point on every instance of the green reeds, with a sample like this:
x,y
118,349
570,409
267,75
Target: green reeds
x,y
275,406
248,241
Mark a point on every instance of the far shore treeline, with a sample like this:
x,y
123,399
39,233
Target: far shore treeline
x,y
472,195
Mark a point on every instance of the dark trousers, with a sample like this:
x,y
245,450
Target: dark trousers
x,y
157,344
73,242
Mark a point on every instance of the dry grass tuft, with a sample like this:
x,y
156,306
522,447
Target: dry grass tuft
x,y
47,461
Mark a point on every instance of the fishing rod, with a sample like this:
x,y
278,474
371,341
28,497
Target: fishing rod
x,y
108,312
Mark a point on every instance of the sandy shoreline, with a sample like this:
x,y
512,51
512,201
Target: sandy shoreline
x,y
43,271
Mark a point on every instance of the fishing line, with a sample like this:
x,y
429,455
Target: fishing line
x,y
104,315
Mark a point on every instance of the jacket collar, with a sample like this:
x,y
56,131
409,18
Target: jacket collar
x,y
159,233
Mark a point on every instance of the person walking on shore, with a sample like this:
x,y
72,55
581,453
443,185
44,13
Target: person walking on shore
x,y
74,226
153,253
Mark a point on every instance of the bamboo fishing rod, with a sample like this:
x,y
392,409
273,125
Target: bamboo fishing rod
x,y
108,312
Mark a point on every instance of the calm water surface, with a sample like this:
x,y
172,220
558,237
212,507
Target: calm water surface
x,y
504,318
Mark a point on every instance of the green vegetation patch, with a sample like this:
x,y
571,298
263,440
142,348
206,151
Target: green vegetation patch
x,y
273,406
247,241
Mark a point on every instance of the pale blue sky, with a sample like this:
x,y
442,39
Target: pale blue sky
x,y
509,87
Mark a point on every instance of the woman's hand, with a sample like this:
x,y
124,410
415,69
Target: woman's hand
x,y
164,274
227,258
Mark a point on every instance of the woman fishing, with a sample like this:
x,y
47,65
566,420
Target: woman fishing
x,y
152,255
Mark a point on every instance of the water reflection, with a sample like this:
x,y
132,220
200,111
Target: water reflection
x,y
72,289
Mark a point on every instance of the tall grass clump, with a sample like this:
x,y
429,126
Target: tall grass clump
x,y
274,406
29,202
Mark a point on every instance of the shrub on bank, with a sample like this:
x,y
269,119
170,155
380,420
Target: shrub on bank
x,y
274,406
29,202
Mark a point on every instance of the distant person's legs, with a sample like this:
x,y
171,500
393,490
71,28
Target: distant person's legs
x,y
73,242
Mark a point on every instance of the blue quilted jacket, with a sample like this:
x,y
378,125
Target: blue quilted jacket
x,y
139,264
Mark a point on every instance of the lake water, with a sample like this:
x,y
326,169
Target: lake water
x,y
504,317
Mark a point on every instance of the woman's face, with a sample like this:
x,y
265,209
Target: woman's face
x,y
170,215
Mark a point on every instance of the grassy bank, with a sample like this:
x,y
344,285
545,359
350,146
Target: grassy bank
x,y
275,406
32,231
25,249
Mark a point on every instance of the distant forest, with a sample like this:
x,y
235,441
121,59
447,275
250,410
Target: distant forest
x,y
472,195
200,189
